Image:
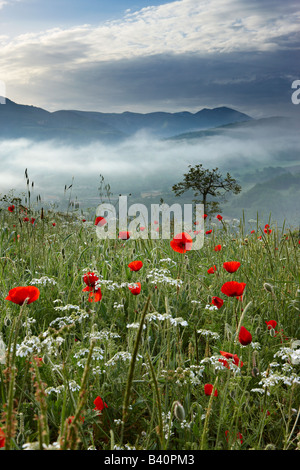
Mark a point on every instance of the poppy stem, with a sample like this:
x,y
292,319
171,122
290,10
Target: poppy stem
x,y
131,370
9,425
205,427
241,319
156,389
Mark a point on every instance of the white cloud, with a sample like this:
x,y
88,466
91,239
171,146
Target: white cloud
x,y
8,2
39,65
185,26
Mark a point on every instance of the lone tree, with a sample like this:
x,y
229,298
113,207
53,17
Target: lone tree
x,y
207,183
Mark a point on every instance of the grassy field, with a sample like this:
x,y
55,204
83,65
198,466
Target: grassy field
x,y
83,368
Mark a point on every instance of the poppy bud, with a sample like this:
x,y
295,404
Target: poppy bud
x,y
268,287
270,447
179,412
257,331
245,336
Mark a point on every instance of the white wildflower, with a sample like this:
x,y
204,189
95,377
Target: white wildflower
x,y
208,333
162,276
74,387
134,325
256,346
211,307
67,307
44,280
123,356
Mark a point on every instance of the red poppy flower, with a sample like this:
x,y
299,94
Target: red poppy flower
x,y
182,242
95,294
90,279
239,436
32,220
100,221
218,248
271,324
245,336
234,358
231,266
38,361
2,438
208,232
267,229
135,265
217,302
142,228
156,222
26,219
100,404
208,388
123,235
54,224
233,288
11,208
212,270
135,288
83,220
18,295
70,419
219,217
252,231
204,216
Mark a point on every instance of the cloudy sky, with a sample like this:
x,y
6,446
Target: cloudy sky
x,y
145,56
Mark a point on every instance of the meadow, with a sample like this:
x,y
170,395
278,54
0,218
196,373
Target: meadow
x,y
200,355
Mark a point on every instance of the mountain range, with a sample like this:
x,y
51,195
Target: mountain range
x,y
17,121
262,154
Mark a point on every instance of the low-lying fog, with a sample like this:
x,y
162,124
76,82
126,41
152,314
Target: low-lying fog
x,y
142,163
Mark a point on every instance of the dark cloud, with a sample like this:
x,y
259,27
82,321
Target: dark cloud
x,y
258,83
183,55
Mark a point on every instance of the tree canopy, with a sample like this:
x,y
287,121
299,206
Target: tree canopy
x,y
208,184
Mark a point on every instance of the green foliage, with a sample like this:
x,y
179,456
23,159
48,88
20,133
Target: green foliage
x,y
178,349
207,183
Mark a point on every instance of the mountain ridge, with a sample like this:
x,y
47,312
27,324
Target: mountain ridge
x,y
19,120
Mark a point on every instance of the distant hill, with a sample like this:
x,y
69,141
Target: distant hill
x,y
278,195
163,124
238,129
18,121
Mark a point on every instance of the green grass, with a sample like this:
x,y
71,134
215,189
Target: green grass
x,y
130,350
